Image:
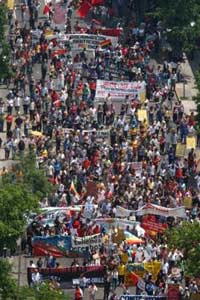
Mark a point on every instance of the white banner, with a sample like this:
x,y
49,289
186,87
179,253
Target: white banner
x,y
86,41
152,209
86,241
110,222
119,90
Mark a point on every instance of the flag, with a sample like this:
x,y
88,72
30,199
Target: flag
x,y
73,190
134,277
97,2
46,9
105,43
84,9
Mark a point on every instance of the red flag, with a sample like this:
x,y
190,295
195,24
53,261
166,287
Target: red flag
x,y
46,9
84,9
97,2
134,277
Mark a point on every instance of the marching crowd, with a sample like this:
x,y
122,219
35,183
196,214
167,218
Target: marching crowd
x,y
56,114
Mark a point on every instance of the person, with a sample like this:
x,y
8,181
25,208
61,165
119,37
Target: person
x,y
92,289
78,294
36,277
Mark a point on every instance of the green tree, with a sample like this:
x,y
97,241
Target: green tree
x,y
6,70
20,193
16,202
186,237
182,19
46,291
10,291
7,283
33,177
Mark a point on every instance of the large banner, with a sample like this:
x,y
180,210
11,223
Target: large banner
x,y
60,246
119,90
86,41
152,209
70,273
57,246
108,223
49,214
153,225
86,241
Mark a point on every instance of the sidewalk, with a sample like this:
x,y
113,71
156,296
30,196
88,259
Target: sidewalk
x,y
186,91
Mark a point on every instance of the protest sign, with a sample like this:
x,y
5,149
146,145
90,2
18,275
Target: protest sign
x,y
142,115
137,166
10,4
190,142
86,241
119,90
180,150
188,202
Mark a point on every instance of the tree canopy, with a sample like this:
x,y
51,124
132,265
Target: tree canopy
x,y
182,19
186,237
20,193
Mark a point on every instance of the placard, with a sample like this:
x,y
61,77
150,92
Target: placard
x,y
142,115
190,142
180,150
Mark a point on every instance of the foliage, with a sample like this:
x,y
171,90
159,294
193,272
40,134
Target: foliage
x,y
46,291
16,201
7,284
178,16
20,193
32,176
3,20
186,237
10,291
5,55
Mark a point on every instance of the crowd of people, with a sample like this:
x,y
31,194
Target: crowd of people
x,y
51,108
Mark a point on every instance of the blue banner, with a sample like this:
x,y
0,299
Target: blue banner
x,y
55,245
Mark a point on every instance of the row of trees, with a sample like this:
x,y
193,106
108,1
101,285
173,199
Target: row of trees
x,y
181,18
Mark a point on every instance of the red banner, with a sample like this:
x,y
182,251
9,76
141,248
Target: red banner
x,y
84,9
173,292
97,2
151,224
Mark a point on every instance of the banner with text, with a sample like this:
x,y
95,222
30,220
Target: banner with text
x,y
119,90
152,209
86,41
